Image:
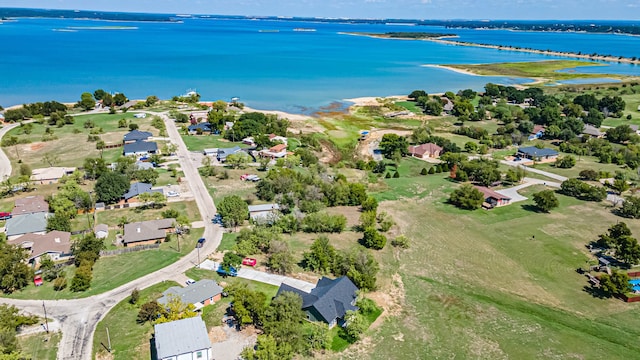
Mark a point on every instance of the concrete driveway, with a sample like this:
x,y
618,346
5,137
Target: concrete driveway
x,y
512,192
535,171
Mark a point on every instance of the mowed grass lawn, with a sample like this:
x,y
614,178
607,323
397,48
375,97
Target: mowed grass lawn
x,y
498,284
129,340
109,272
40,346
72,148
201,142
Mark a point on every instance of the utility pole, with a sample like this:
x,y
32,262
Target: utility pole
x,y
45,318
199,245
108,340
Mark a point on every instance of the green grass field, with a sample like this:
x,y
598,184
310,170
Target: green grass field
x,y
129,340
201,142
40,346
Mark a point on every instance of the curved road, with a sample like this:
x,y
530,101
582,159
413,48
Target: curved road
x,y
5,163
78,318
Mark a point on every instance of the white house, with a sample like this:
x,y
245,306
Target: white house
x,y
183,339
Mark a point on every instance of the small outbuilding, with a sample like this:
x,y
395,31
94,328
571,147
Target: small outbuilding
x,y
182,339
101,231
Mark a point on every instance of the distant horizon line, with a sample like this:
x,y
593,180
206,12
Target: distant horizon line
x,y
283,17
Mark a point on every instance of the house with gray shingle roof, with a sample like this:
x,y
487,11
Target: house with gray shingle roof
x,y
329,301
30,205
56,244
200,294
224,152
136,135
147,232
26,224
138,188
182,339
139,148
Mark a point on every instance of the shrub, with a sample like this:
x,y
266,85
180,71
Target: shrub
x,y
373,239
59,284
566,162
135,296
424,171
467,197
323,222
396,175
401,242
432,170
387,176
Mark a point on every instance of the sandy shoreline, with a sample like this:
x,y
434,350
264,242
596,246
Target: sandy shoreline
x,y
280,114
459,71
373,100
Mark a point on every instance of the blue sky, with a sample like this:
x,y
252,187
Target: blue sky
x,y
412,9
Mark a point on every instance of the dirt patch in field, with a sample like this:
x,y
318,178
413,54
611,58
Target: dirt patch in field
x,y
366,146
352,213
36,146
331,155
217,334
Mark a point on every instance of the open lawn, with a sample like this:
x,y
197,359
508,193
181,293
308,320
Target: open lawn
x,y
201,142
70,144
497,284
40,346
411,106
112,217
199,274
109,272
583,163
129,340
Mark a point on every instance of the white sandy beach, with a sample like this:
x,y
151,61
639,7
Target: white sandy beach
x,y
280,114
460,71
373,100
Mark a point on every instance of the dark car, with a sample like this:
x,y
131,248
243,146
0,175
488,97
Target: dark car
x,y
201,242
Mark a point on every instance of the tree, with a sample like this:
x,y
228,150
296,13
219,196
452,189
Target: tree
x,y
356,325
119,99
111,186
82,279
237,160
15,274
280,259
373,239
149,312
370,204
467,197
320,257
135,296
175,309
248,306
546,200
630,207
231,259
58,222
87,102
471,147
615,284
25,170
94,167
133,126
565,162
589,174
283,320
415,94
628,249
234,211
620,185
151,100
392,144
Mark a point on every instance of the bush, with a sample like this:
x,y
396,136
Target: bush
x,y
387,176
467,197
135,296
59,284
371,204
589,174
373,239
566,162
323,222
432,170
396,175
401,242
424,171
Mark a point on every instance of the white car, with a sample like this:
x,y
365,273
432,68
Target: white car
x,y
172,193
190,281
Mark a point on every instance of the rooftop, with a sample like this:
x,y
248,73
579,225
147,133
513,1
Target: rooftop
x,y
29,223
140,147
139,188
146,230
263,207
488,193
181,337
30,204
535,152
192,294
136,135
54,241
51,173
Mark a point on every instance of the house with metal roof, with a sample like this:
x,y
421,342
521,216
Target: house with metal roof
x,y
147,232
56,244
200,294
182,339
140,148
138,188
329,301
35,223
222,153
136,135
50,175
536,154
264,212
101,231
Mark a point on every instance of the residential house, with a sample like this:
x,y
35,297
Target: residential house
x,y
142,165
50,175
536,154
224,152
182,339
30,205
592,131
278,138
424,151
202,293
34,223
275,152
264,212
56,244
447,105
101,231
536,133
136,135
329,301
493,198
140,148
147,232
136,189
210,152
203,127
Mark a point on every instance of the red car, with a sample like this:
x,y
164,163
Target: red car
x,y
249,261
37,281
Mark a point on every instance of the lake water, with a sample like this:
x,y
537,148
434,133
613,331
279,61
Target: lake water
x,y
265,63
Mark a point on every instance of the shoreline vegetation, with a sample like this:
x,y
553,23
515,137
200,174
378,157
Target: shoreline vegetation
x,y
444,39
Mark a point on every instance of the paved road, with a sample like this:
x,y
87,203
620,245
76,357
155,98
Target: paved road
x,y
78,318
512,192
5,163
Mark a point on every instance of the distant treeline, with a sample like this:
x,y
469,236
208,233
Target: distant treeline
x,y
594,26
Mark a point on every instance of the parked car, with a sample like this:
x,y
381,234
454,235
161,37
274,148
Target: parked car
x,y
37,280
172,193
190,281
217,219
5,215
201,242
249,261
224,272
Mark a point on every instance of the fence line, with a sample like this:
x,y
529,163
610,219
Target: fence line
x,y
129,249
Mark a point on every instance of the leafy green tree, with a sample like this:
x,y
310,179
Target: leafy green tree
x,y
373,239
94,167
248,306
237,160
135,296
356,325
467,197
87,101
15,274
99,94
58,222
119,99
589,174
323,222
231,259
628,249
280,259
149,312
111,186
284,321
620,185
394,143
546,200
630,207
415,94
615,284
82,279
565,162
234,211
321,256
60,283
360,266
